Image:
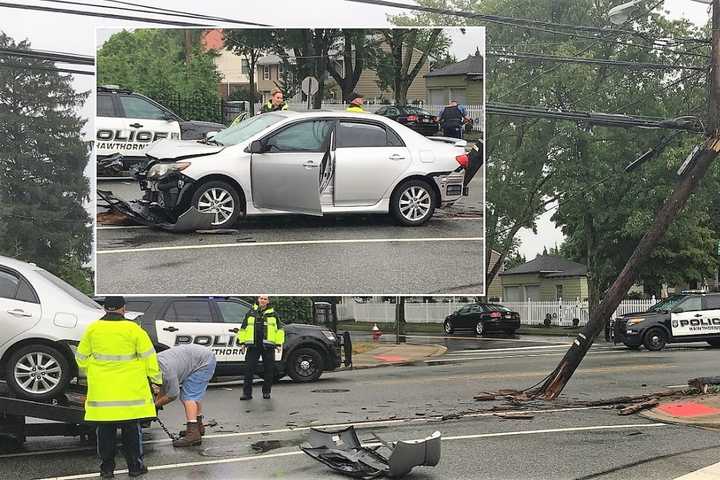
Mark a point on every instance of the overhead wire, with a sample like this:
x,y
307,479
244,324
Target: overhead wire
x,y
181,12
49,69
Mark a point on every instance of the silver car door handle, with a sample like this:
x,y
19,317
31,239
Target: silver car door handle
x,y
310,165
395,156
19,313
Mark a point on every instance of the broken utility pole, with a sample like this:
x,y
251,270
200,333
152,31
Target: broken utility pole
x,y
691,177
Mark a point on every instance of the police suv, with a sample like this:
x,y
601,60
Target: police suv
x,y
308,351
128,122
687,317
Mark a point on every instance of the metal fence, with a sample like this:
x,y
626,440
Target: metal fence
x,y
531,313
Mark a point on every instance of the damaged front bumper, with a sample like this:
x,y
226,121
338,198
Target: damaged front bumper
x,y
342,451
145,212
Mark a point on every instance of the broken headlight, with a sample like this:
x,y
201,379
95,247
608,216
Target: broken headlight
x,y
162,169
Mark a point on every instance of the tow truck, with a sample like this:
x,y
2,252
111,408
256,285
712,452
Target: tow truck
x,y
61,417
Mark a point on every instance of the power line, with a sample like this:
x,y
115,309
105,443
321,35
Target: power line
x,y
99,14
180,12
529,24
47,69
155,10
594,61
51,56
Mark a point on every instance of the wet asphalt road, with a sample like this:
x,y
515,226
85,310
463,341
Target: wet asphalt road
x,y
293,254
259,439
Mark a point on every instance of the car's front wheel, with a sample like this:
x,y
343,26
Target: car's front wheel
x,y
655,339
413,203
38,372
480,328
305,365
220,199
448,327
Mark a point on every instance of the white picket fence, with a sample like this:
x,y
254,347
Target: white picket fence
x,y
561,313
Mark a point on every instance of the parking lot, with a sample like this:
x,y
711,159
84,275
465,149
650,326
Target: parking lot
x,y
294,254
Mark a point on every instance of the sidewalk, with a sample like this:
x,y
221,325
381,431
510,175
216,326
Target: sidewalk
x,y
402,354
694,410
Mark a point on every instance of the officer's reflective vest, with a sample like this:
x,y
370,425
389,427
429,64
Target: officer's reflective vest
x,y
273,334
119,358
355,108
269,107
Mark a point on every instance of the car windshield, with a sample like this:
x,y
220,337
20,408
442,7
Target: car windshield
x,y
247,128
69,289
667,304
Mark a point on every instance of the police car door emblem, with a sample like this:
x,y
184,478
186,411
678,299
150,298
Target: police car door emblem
x,y
675,323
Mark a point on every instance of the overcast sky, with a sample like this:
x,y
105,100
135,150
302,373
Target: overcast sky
x,y
76,34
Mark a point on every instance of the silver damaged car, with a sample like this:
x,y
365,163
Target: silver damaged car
x,y
311,163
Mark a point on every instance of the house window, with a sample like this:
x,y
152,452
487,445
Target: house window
x,y
558,292
532,292
244,66
512,294
266,72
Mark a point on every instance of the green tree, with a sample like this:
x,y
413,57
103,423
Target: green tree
x,y
252,44
398,66
43,158
155,62
359,51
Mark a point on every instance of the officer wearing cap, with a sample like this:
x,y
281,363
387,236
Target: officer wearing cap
x,y
356,102
119,359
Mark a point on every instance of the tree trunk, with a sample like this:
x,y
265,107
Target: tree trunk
x,y
188,46
251,76
557,380
592,274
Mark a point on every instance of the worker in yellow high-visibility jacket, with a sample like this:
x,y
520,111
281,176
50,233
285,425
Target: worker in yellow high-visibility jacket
x,y
356,103
120,361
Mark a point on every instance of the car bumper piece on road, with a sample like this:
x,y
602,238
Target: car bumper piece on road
x,y
151,216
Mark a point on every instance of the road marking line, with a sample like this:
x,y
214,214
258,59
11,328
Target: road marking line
x,y
677,386
292,242
120,227
445,439
711,472
358,425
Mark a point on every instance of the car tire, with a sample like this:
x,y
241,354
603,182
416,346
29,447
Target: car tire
x,y
218,196
655,339
448,327
413,203
48,382
714,342
305,365
480,329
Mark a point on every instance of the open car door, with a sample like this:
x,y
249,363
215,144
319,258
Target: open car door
x,y
286,170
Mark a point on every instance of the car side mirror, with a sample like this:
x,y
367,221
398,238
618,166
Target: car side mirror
x,y
210,135
256,146
677,310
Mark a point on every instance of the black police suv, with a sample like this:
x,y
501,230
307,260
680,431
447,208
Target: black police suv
x,y
686,317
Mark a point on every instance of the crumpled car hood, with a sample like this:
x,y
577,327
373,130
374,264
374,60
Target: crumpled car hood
x,y
179,149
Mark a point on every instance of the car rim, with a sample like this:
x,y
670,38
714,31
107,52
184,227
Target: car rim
x,y
415,203
479,328
448,327
218,201
655,340
37,372
306,366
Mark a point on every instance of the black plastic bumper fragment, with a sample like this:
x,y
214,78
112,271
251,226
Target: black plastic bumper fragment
x,y
342,451
189,221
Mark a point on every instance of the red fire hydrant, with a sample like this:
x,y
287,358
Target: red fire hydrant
x,y
376,333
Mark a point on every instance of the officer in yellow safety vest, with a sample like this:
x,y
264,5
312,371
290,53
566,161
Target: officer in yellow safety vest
x,y
260,336
356,102
276,102
120,361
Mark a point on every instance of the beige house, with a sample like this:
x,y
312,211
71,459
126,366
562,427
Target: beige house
x,y
546,278
461,81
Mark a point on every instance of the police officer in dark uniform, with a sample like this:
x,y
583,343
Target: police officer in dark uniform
x,y
452,120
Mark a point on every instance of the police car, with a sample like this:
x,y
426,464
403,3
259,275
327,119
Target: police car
x,y
308,351
128,122
686,317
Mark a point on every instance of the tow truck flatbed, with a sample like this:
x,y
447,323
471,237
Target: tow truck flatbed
x,y
62,417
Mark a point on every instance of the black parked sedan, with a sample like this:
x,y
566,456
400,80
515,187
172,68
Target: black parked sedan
x,y
415,118
483,318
